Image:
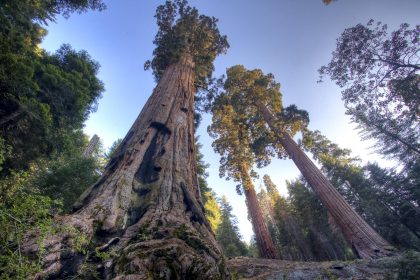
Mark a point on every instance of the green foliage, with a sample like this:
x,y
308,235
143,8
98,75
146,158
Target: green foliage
x,y
26,12
212,210
232,141
300,226
293,119
202,171
252,248
397,216
208,197
79,240
228,234
112,151
324,240
44,98
241,131
48,116
65,178
22,209
4,152
409,266
28,201
182,30
379,74
384,198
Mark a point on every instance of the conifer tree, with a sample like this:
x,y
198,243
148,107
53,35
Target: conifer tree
x,y
144,217
376,194
323,238
302,228
285,230
208,196
227,233
254,92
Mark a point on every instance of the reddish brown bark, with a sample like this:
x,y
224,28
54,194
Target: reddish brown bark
x,y
145,211
363,239
262,235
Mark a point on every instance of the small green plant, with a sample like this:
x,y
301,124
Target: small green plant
x,y
143,236
327,273
80,240
409,266
105,255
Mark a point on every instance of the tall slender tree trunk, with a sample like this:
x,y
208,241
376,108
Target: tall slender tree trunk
x,y
364,240
93,143
144,218
264,242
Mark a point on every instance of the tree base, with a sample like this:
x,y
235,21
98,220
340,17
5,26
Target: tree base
x,y
172,251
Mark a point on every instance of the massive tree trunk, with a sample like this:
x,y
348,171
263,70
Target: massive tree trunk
x,y
364,240
144,218
264,242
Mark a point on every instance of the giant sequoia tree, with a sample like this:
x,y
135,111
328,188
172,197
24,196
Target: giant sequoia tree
x,y
144,217
233,137
256,90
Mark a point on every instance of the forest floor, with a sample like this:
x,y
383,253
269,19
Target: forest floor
x,y
399,267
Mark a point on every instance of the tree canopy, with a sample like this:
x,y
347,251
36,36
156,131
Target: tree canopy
x,y
184,31
45,98
380,76
44,112
242,133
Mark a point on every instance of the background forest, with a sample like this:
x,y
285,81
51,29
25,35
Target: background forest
x,y
50,92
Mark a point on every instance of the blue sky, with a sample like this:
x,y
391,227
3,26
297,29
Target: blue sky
x,y
289,38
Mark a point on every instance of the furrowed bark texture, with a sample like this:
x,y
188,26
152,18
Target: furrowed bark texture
x,y
262,235
365,241
144,218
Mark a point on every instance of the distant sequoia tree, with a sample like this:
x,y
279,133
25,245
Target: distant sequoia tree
x,y
232,141
144,217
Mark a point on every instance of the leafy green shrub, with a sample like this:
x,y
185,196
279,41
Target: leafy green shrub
x,y
22,209
65,178
409,266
